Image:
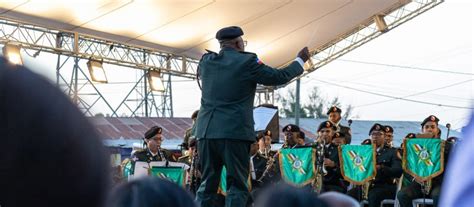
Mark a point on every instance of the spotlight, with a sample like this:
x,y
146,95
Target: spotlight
x,y
12,53
96,71
156,83
381,24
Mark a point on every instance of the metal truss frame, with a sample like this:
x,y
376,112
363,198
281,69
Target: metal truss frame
x,y
366,32
76,47
264,95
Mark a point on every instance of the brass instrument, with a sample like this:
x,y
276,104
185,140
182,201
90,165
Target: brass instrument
x,y
365,189
270,164
320,169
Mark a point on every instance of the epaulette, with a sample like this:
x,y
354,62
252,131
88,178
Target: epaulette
x,y
250,53
209,54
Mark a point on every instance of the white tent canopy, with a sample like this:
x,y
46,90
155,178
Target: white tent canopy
x,y
274,29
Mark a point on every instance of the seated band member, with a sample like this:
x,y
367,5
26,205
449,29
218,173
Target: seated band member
x,y
388,136
332,181
388,168
153,151
412,190
334,116
291,139
258,164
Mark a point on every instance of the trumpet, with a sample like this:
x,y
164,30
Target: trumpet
x,y
320,150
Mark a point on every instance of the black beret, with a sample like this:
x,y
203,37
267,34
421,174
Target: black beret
x,y
195,114
366,142
326,124
452,139
338,135
430,118
334,109
410,135
291,128
228,33
268,132
192,142
388,129
152,132
376,127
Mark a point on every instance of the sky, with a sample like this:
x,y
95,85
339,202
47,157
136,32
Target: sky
x,y
427,59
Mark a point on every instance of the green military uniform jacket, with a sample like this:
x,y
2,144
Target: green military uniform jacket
x,y
229,81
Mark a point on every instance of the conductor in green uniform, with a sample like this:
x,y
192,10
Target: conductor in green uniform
x,y
225,125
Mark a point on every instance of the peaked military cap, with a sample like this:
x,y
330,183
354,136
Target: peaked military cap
x,y
152,132
291,128
376,127
334,109
388,129
228,33
326,124
432,118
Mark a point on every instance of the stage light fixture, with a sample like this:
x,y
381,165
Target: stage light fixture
x,y
156,83
96,71
381,24
12,53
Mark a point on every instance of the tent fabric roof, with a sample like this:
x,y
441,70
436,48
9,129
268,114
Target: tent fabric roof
x,y
275,29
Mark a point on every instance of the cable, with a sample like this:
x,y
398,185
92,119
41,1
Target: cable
x,y
416,94
389,89
400,98
406,67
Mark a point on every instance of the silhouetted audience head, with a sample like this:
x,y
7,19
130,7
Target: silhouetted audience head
x,y
50,154
336,199
150,192
284,195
